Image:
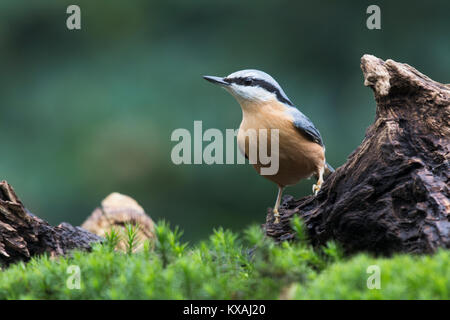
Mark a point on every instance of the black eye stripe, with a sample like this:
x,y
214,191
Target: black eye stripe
x,y
259,83
241,81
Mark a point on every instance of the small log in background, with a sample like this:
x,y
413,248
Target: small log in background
x,y
392,194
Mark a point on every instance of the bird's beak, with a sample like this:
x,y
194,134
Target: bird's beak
x,y
216,80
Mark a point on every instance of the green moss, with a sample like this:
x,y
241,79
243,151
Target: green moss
x,y
223,267
401,277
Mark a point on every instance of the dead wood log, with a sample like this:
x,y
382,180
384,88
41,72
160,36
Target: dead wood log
x,y
392,194
23,235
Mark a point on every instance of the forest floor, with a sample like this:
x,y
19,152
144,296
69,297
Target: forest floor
x,y
225,266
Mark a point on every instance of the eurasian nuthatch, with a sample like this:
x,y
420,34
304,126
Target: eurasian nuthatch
x,y
265,106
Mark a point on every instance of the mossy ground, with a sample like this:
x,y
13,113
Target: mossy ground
x,y
223,267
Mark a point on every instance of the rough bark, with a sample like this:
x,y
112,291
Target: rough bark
x,y
23,235
392,194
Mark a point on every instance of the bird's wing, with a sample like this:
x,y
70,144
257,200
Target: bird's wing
x,y
305,126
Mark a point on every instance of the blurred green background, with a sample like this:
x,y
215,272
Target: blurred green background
x,y
84,113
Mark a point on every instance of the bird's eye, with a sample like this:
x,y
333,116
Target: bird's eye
x,y
248,81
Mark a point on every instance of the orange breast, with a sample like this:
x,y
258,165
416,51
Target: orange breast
x,y
299,158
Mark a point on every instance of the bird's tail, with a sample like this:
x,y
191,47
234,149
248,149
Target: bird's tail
x,y
328,170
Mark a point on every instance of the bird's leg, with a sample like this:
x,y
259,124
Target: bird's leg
x,y
318,185
277,204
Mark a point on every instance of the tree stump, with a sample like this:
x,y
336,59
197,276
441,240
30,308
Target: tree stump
x,y
23,235
392,194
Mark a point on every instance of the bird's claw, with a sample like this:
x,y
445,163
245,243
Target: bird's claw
x,y
316,189
277,216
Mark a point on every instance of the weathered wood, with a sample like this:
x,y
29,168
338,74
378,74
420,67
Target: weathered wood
x,y
392,194
117,211
23,235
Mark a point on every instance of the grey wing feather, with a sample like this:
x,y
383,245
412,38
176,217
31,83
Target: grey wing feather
x,y
304,125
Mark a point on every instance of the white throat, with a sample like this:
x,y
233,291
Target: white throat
x,y
247,95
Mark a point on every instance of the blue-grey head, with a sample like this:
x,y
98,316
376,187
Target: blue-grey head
x,y
251,86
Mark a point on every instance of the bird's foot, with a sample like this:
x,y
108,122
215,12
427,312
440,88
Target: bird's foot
x,y
276,215
316,189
